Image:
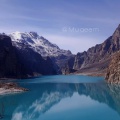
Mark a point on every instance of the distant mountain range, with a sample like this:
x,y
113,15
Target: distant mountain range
x,y
25,55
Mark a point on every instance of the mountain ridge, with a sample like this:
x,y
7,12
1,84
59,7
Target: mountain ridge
x,y
97,58
38,43
94,61
42,46
20,63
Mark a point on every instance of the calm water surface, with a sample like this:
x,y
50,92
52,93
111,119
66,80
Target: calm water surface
x,y
62,97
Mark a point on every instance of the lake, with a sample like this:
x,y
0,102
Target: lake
x,y
60,97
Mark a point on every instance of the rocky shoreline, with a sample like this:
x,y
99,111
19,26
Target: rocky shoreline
x,y
9,88
91,74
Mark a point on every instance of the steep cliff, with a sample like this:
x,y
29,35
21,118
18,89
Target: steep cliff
x,y
22,62
113,71
68,66
9,65
42,46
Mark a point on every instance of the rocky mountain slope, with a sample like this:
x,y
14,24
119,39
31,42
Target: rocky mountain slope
x,y
22,61
96,59
43,47
38,43
113,71
8,58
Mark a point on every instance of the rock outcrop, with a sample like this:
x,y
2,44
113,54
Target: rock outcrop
x,y
22,62
113,71
9,65
68,67
10,88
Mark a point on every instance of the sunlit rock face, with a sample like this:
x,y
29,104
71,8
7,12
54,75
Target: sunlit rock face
x,y
38,43
113,71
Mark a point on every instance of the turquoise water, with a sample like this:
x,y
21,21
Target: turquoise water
x,y
62,97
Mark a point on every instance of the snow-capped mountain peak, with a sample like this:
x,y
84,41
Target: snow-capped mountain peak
x,y
37,43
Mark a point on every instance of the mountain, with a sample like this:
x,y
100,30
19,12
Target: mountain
x,y
38,44
96,59
113,71
34,55
22,61
43,47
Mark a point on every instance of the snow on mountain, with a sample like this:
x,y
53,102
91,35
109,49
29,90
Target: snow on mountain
x,y
37,43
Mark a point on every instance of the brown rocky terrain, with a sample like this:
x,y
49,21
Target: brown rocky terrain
x,y
8,88
96,59
113,71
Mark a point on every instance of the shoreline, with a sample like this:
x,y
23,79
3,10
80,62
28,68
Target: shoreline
x,y
91,74
94,74
10,88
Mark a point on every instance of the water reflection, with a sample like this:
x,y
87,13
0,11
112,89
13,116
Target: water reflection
x,y
31,105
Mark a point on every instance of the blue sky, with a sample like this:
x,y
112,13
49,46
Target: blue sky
x,y
49,18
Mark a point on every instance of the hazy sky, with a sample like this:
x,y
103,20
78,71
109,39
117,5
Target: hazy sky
x,y
71,24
